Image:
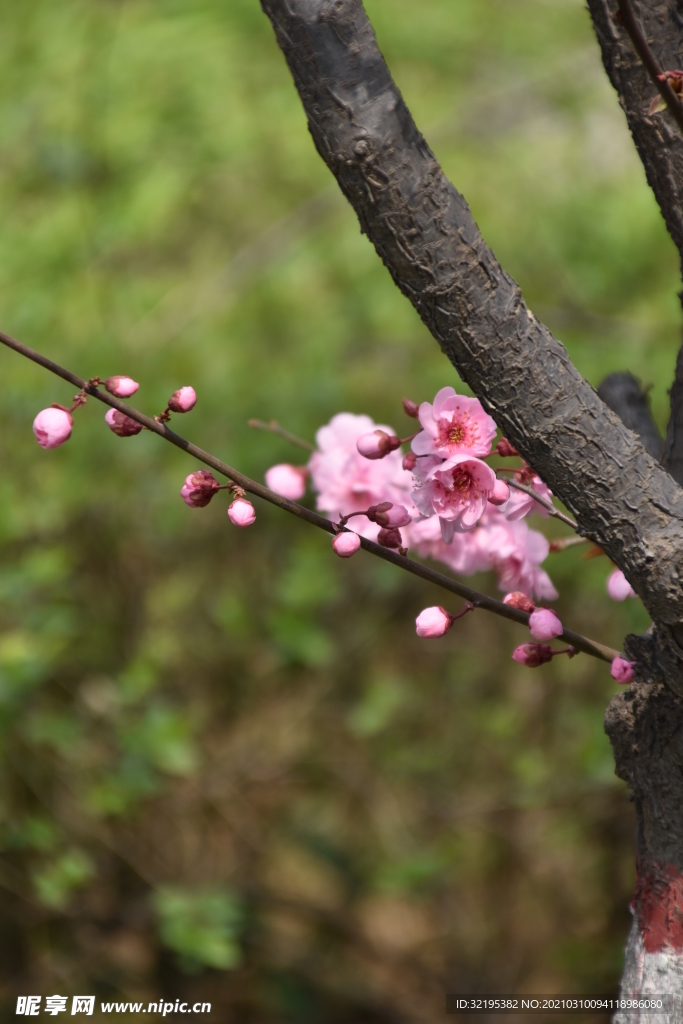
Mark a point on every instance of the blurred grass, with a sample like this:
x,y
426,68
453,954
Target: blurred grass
x,y
227,750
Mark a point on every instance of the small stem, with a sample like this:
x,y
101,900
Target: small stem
x,y
469,607
571,651
567,542
405,440
541,501
630,23
274,427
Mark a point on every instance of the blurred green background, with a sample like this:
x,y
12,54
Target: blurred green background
x,y
230,770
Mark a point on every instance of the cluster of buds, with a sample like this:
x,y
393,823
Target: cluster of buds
x,y
544,624
388,516
201,486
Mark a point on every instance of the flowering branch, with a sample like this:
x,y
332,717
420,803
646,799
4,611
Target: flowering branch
x,y
478,600
548,505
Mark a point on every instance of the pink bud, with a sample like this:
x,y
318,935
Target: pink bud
x,y
182,400
505,449
622,670
433,622
518,600
52,427
241,512
346,544
533,655
122,387
376,444
500,493
544,624
390,538
411,408
388,515
287,480
409,461
199,488
121,424
618,587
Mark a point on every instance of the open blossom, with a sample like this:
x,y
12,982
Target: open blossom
x,y
464,555
182,400
241,512
122,387
516,553
199,488
52,427
121,424
520,504
287,480
433,622
544,624
376,444
346,543
452,425
618,587
456,490
622,670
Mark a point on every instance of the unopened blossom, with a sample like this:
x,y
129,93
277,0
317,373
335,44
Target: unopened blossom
x,y
346,544
452,425
182,400
411,408
390,538
409,461
520,601
52,427
533,655
122,387
500,493
389,516
544,624
622,670
376,444
456,490
520,504
505,449
433,622
287,480
618,587
121,424
199,488
241,512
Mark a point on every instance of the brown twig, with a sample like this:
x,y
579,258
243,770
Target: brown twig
x,y
630,23
542,501
274,427
479,600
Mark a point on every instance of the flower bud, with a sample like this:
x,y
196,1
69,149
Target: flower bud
x,y
433,622
122,387
409,461
52,427
518,600
287,480
346,544
618,587
390,538
505,449
241,512
544,624
199,488
376,444
388,515
182,400
500,493
121,424
533,655
622,670
411,408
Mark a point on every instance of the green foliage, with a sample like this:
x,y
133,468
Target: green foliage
x,y
201,927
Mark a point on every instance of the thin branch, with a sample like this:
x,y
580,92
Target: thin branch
x,y
548,505
630,23
274,427
567,542
479,600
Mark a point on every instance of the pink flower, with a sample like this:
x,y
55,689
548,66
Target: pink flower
x,y
346,544
520,601
241,512
199,488
346,482
521,504
182,400
622,670
389,516
52,427
500,494
433,622
516,553
618,587
121,424
454,425
533,655
456,490
376,444
287,480
544,624
122,387
464,555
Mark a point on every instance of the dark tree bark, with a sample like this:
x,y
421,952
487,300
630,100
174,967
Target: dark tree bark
x,y
622,498
624,396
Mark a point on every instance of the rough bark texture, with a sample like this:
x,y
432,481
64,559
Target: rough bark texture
x,y
673,451
424,232
624,395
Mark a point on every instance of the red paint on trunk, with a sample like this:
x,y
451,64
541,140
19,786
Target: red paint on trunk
x,y
658,904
